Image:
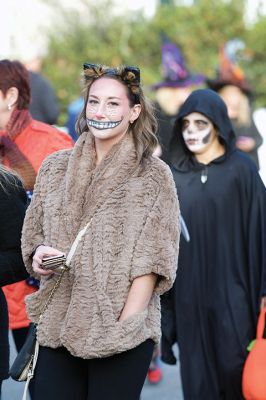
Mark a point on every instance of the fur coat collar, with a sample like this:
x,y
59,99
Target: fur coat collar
x,y
87,186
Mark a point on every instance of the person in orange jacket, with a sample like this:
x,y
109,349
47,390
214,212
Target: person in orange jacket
x,y
24,144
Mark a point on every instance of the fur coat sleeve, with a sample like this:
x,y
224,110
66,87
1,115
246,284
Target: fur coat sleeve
x,y
157,247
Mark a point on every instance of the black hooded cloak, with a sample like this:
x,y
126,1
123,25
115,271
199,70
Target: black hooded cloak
x,y
213,307
165,129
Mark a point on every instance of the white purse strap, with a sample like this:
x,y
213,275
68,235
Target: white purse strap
x,y
75,243
64,268
31,371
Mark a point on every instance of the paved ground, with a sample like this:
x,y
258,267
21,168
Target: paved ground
x,y
168,389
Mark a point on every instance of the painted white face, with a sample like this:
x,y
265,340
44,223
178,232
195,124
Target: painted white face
x,y
108,110
198,132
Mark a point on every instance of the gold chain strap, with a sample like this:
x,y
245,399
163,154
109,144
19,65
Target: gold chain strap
x,y
63,269
52,292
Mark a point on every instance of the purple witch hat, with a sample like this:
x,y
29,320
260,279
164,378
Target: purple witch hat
x,y
175,73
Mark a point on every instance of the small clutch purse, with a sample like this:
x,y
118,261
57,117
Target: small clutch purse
x,y
54,262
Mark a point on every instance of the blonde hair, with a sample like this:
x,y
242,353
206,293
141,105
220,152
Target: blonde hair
x,y
8,178
145,126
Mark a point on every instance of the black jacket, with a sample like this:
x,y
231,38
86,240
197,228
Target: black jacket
x,y
165,129
13,202
44,105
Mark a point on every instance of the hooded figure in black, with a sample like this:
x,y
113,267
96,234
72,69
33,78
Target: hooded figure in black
x,y
212,310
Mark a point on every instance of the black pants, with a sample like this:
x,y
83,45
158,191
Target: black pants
x,y
19,336
60,376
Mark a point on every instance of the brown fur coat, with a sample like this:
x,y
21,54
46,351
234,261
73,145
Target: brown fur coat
x,y
134,231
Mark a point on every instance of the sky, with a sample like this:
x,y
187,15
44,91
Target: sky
x,y
21,28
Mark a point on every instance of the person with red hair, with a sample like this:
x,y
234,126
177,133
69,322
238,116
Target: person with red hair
x,y
24,144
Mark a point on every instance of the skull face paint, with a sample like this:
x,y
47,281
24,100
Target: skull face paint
x,y
198,132
108,110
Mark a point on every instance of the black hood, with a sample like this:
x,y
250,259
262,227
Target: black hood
x,y
210,104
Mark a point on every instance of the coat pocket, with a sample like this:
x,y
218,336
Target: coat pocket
x,y
133,325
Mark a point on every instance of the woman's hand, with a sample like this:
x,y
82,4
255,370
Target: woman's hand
x,y
245,143
41,252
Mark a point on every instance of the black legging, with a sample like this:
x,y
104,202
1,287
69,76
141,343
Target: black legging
x,y
19,336
60,376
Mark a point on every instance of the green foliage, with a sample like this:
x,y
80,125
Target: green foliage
x,y
200,30
100,35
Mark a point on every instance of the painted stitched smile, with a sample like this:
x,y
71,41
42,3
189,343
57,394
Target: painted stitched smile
x,y
103,125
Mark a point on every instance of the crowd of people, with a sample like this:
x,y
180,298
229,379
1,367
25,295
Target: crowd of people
x,y
112,192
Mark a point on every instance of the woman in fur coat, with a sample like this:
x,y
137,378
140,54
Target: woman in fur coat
x,y
104,319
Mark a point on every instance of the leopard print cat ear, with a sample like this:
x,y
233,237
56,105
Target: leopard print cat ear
x,y
132,75
93,71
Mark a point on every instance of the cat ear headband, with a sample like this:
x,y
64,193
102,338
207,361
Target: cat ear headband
x,y
128,74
